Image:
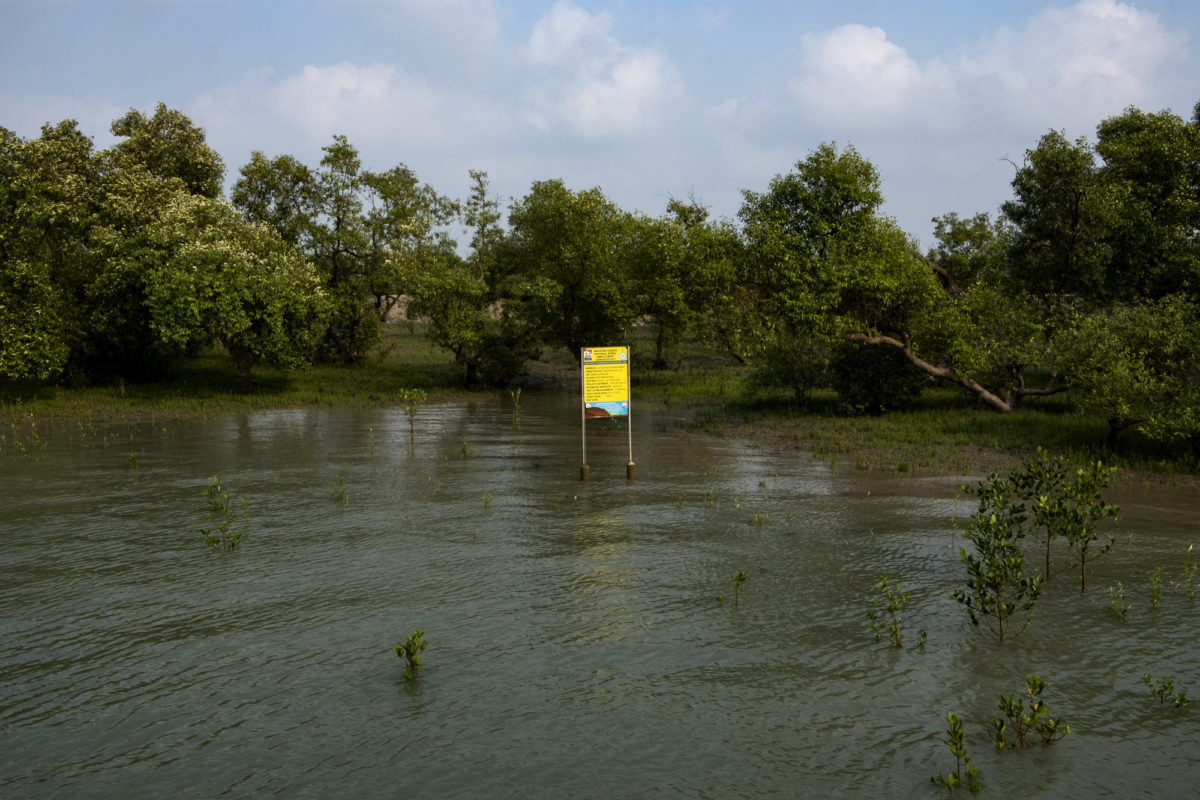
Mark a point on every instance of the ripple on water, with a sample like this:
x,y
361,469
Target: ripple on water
x,y
577,645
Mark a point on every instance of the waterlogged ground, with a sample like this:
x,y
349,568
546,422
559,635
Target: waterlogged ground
x,y
577,647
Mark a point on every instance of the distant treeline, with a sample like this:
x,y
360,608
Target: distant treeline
x,y
116,261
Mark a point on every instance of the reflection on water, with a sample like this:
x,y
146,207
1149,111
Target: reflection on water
x,y
576,643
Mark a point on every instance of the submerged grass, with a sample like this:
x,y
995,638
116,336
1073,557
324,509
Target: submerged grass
x,y
947,432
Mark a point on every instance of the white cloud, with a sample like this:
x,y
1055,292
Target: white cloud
x,y
592,83
1073,66
565,31
367,100
855,75
623,97
374,105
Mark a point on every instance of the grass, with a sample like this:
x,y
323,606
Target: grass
x,y
947,432
206,384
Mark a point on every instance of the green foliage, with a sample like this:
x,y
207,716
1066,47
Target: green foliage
x,y
1164,690
873,380
1080,510
1189,572
739,578
1155,587
411,401
1066,503
410,651
1060,212
168,145
338,495
997,585
969,250
219,276
223,512
799,364
1149,165
963,774
1117,603
895,599
487,499
1138,365
1026,719
565,253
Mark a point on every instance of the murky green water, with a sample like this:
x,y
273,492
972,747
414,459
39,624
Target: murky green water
x,y
576,646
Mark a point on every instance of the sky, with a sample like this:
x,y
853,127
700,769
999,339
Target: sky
x,y
649,100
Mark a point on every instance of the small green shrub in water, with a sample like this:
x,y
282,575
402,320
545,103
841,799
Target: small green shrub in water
x,y
487,499
1155,587
886,590
338,495
1117,603
1026,719
410,651
997,586
738,579
964,773
1082,509
516,414
1164,690
1189,572
410,401
222,512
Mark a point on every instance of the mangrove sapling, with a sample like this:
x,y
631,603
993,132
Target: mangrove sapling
x,y
1189,572
1081,511
1164,690
221,510
410,401
1039,481
338,495
410,651
487,499
515,394
738,579
997,586
1155,587
1026,718
885,590
956,740
1117,603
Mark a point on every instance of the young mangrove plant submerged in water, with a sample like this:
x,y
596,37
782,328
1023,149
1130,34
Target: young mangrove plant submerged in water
x,y
410,401
410,651
738,579
896,600
1189,572
997,586
956,740
221,511
1164,690
1020,722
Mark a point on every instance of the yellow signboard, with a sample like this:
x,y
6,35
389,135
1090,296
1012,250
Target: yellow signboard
x,y
605,381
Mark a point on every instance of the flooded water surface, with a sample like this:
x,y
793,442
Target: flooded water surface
x,y
576,643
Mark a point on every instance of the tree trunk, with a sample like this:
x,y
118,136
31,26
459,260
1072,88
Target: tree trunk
x,y
1000,404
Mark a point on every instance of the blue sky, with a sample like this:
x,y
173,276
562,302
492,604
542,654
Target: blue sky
x,y
647,100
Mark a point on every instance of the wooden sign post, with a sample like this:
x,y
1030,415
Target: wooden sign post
x,y
605,375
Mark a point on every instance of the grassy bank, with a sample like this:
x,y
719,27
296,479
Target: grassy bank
x,y
947,432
